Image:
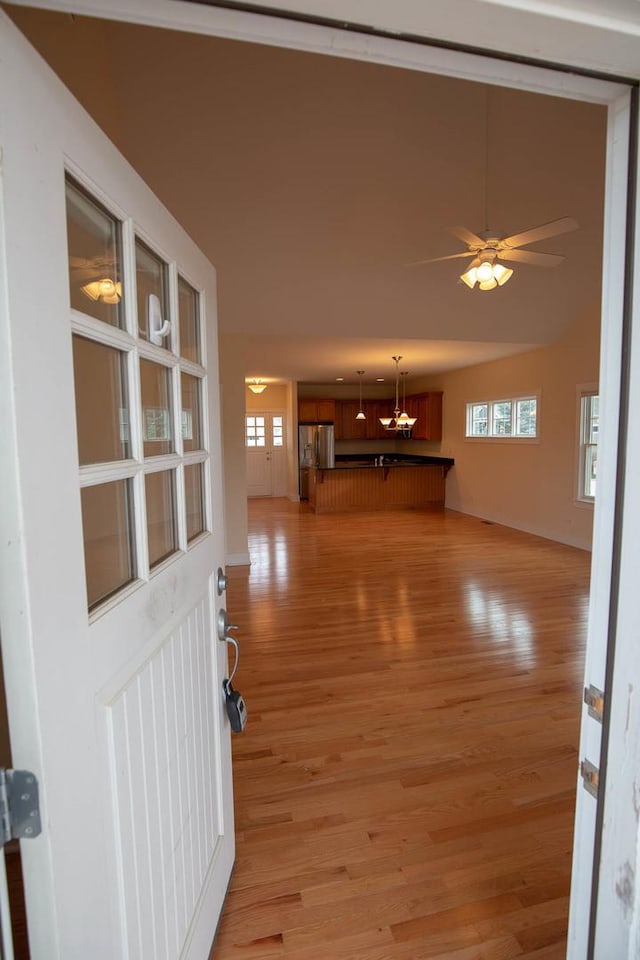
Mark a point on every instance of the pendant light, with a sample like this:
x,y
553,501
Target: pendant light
x,y
257,386
399,422
361,413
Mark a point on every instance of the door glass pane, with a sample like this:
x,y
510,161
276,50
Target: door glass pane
x,y
255,433
189,321
157,430
194,496
107,527
161,515
277,431
94,244
102,413
191,416
152,286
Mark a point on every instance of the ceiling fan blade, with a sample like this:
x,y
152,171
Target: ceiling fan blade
x,y
471,239
551,229
452,256
528,256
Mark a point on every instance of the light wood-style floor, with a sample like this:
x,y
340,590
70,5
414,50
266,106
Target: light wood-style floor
x,y
406,783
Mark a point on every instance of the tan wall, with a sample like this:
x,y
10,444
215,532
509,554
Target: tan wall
x,y
528,486
275,397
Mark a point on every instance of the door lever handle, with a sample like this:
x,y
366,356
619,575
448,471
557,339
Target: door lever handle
x,y
223,625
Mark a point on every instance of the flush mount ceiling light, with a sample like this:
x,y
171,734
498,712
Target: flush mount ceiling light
x,y
106,290
257,386
360,415
399,422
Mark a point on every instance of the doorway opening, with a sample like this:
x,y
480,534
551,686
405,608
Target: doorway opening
x,y
609,363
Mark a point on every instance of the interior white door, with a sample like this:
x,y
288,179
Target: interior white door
x,y
266,458
112,531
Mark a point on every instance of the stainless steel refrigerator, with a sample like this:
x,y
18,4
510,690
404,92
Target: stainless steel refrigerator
x,y
315,449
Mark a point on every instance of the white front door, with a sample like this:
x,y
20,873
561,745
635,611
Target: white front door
x,y
112,531
265,445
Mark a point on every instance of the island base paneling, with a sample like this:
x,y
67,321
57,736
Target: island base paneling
x,y
377,488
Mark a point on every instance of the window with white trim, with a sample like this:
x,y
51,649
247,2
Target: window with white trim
x,y
588,449
515,418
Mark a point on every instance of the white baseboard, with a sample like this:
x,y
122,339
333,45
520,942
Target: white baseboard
x,y
237,560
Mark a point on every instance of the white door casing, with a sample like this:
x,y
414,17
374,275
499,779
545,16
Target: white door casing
x,y
120,714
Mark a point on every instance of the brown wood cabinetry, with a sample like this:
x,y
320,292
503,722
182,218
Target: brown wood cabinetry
x,y
427,407
317,411
347,427
374,410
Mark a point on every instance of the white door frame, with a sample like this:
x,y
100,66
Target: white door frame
x,y
616,97
276,457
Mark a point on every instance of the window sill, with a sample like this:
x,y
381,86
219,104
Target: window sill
x,y
516,440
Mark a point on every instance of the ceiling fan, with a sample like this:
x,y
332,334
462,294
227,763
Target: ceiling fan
x,y
490,247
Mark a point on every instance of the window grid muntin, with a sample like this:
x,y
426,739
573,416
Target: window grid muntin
x,y
125,339
499,414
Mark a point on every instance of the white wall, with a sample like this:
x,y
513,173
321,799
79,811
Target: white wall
x,y
232,390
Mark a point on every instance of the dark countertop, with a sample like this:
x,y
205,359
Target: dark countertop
x,y
349,461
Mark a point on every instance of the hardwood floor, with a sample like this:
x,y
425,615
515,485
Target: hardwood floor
x,y
405,786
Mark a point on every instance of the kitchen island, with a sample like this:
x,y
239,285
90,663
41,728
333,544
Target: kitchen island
x,y
398,482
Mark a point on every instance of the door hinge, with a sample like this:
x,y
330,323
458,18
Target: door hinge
x,y
594,700
19,806
590,777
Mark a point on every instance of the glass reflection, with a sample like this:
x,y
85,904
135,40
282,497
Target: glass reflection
x,y
107,527
162,531
194,499
498,619
155,386
191,417
152,288
94,245
189,319
102,410
269,558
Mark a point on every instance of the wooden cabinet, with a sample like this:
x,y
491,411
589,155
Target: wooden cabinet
x,y
374,410
316,411
427,407
347,427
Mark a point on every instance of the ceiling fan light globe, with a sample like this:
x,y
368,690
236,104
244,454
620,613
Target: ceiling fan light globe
x,y
502,273
484,272
488,284
470,278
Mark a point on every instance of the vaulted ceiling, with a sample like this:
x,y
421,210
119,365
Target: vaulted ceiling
x,y
311,182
